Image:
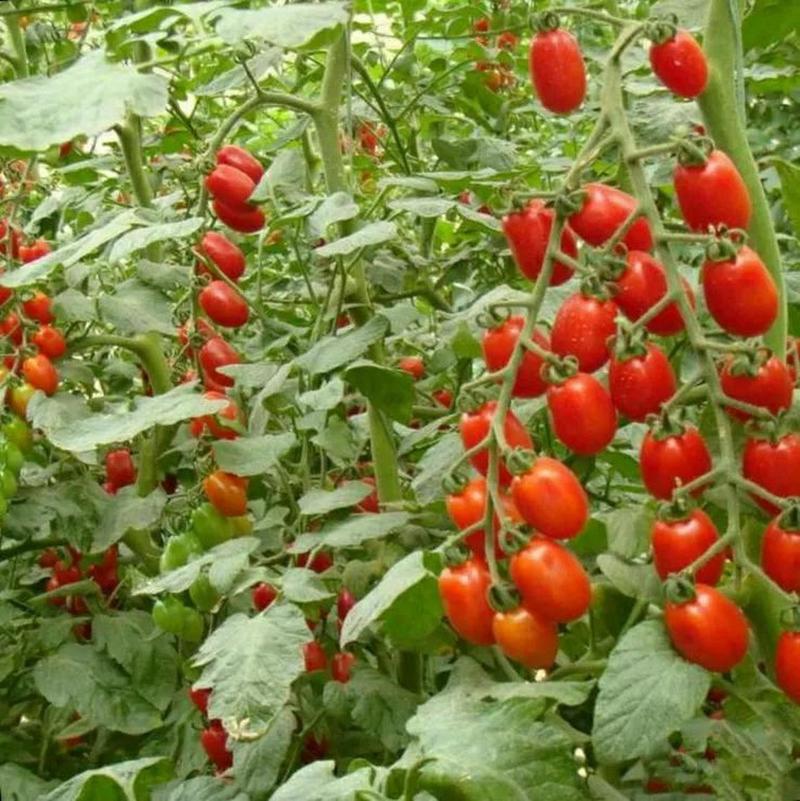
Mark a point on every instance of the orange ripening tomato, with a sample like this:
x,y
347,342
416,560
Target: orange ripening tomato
x,y
39,372
413,365
50,341
227,493
526,638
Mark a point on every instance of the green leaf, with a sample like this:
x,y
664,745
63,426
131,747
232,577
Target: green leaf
x,y
140,238
200,788
372,234
19,784
86,98
251,663
790,187
405,583
251,456
433,467
628,529
318,782
328,396
335,208
423,206
320,502
124,511
136,308
302,586
646,692
259,67
74,306
769,22
351,532
392,391
123,781
334,351
633,580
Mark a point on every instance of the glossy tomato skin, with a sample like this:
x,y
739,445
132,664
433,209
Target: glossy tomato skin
x,y
582,413
314,656
245,219
712,194
641,285
200,698
50,342
775,467
680,64
241,159
526,638
741,294
674,460
38,307
231,186
341,665
215,743
557,69
263,595
224,305
551,580
551,499
787,664
771,388
217,424
413,365
498,345
39,372
34,251
677,543
464,590
640,385
226,492
605,209
224,253
120,469
709,630
218,353
11,327
475,427
582,328
780,556
528,232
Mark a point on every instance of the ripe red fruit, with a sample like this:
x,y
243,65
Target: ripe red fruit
x,y
604,211
214,354
673,460
319,564
199,698
216,422
341,665
231,186
677,543
507,40
48,557
345,601
105,574
528,232
771,387
526,638
551,580
640,384
443,397
787,664
215,743
50,342
709,630
224,305
263,595
475,427
582,414
36,250
780,555
245,219
371,502
642,284
39,372
582,328
680,64
413,365
120,469
314,656
551,499
773,466
37,308
557,69
498,345
241,159
463,590
712,194
741,294
224,253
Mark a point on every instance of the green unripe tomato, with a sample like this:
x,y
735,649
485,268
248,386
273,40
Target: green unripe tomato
x,y
19,432
242,525
8,483
193,627
210,527
169,615
13,457
203,594
3,507
174,555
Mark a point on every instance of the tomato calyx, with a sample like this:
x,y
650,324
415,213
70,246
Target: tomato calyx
x,y
455,482
679,589
548,21
630,341
669,423
790,619
493,316
748,363
694,150
662,29
789,519
557,371
568,203
676,510
503,597
724,248
519,460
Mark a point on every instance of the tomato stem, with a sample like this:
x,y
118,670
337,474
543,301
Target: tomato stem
x,y
17,38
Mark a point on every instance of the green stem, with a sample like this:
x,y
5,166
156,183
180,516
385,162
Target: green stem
x,y
130,140
31,545
17,38
409,671
723,114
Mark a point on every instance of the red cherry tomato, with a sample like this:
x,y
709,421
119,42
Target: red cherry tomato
x,y
780,555
48,557
712,194
551,580
341,664
605,209
66,574
771,388
319,564
245,219
345,601
787,664
224,253
200,698
582,328
640,384
314,656
39,372
241,159
50,342
773,466
5,293
741,294
214,354
11,327
463,590
498,345
263,595
413,365
215,743
709,630
227,493
36,250
231,186
443,397
672,461
507,40
677,543
557,69
680,64
475,427
528,232
526,638
37,308
120,469
370,503
582,413
216,424
551,499
224,305
641,286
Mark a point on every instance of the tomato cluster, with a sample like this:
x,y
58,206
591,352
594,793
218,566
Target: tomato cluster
x,y
213,738
231,183
497,75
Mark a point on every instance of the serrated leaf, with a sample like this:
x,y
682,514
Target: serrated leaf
x,y
334,351
346,495
124,511
140,238
319,782
353,531
433,467
372,234
392,391
335,208
251,456
136,308
131,781
633,580
258,66
256,766
302,586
